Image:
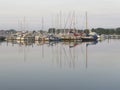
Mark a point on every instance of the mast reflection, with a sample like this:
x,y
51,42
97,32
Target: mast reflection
x,y
62,54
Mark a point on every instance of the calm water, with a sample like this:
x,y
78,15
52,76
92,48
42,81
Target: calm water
x,y
60,66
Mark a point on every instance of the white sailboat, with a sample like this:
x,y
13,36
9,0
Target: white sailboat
x,y
88,34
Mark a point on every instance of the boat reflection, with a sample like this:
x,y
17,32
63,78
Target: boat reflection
x,y
91,43
51,43
62,54
88,44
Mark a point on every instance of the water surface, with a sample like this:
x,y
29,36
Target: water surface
x,y
60,65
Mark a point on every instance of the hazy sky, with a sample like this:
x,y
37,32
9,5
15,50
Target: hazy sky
x,y
101,13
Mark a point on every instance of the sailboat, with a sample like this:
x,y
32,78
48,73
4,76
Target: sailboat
x,y
88,34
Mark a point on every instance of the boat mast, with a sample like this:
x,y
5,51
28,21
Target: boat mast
x,y
24,24
74,21
86,21
60,20
87,30
42,27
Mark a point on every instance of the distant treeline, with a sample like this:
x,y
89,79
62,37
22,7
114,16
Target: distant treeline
x,y
107,31
97,30
53,30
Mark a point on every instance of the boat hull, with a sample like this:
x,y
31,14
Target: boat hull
x,y
89,38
